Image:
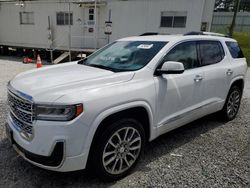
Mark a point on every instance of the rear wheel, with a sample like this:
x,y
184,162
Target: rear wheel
x,y
232,104
118,149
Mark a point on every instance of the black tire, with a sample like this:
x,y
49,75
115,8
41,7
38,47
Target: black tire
x,y
102,145
225,114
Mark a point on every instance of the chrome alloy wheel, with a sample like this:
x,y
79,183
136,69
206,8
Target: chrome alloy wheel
x,y
233,103
121,150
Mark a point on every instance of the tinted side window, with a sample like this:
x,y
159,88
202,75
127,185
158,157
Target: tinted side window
x,y
235,50
185,53
211,52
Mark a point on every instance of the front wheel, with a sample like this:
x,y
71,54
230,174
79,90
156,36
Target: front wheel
x,y
118,149
232,104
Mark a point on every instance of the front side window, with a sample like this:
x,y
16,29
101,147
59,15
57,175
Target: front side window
x,y
211,52
64,18
27,18
185,53
235,50
124,55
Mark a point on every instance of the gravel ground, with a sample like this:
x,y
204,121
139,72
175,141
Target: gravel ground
x,y
205,153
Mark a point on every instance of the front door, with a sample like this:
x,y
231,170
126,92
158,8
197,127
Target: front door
x,y
180,95
90,29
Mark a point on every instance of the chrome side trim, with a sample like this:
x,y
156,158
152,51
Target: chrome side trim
x,y
175,118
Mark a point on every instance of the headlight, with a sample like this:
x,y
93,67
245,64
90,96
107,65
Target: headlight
x,y
58,112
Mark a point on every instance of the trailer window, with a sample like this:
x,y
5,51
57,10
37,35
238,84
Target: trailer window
x,y
173,19
27,18
64,18
91,14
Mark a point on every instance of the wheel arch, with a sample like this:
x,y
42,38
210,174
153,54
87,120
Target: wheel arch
x,y
133,109
238,81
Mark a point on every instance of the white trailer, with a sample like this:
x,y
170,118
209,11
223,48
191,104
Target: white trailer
x,y
84,25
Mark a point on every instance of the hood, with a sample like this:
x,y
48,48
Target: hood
x,y
54,81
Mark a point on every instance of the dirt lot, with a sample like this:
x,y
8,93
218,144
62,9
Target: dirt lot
x,y
205,153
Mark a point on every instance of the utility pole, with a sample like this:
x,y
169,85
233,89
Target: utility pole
x,y
50,37
69,33
109,21
236,9
95,28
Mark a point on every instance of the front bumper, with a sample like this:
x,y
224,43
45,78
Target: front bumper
x,y
54,160
48,152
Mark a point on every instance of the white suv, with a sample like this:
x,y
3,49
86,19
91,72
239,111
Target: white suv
x,y
100,111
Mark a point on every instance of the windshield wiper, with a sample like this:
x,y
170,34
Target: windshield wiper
x,y
82,61
101,67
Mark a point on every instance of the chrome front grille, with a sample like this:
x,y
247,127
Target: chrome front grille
x,y
21,112
21,126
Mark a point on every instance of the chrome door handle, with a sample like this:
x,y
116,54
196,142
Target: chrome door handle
x,y
198,78
229,72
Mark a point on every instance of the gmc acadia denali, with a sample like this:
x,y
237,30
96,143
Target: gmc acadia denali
x,y
100,111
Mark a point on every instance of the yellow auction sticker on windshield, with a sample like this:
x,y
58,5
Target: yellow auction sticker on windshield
x,y
145,46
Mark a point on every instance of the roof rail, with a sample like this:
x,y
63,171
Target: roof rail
x,y
215,34
194,33
205,33
149,33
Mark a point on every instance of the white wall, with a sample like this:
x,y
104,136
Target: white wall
x,y
14,33
137,17
132,17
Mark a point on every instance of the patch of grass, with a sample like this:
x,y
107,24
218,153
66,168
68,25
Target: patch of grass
x,y
244,42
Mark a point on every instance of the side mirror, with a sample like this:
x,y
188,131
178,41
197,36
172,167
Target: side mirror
x,y
171,67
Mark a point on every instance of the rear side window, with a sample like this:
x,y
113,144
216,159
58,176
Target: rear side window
x,y
235,50
211,52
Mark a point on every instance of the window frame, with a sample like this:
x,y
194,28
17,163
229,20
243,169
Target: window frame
x,y
26,23
69,14
222,50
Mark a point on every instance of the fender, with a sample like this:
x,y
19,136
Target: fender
x,y
110,111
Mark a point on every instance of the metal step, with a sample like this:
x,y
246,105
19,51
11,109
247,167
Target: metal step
x,y
61,57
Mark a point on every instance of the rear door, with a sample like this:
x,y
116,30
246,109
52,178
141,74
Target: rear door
x,y
217,74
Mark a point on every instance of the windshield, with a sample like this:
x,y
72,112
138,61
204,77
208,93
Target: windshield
x,y
124,55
